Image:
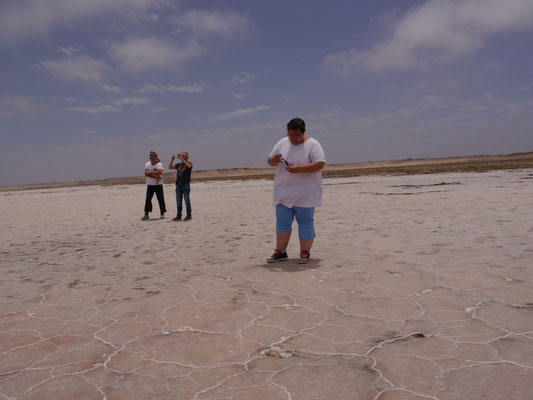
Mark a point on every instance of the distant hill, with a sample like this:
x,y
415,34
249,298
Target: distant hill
x,y
478,163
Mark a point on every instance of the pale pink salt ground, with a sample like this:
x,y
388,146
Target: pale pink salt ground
x,y
420,287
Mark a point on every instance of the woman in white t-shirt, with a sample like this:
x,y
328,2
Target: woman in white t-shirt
x,y
153,170
297,188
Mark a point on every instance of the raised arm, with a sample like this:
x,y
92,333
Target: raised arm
x,y
184,161
171,165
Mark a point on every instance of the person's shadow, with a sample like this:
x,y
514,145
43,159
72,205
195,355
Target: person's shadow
x,y
291,265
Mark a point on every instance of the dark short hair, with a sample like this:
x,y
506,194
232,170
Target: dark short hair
x,y
296,124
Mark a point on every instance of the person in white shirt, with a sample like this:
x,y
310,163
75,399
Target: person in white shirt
x,y
153,170
298,159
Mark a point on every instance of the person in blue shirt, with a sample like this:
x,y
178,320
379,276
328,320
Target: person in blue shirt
x,y
183,184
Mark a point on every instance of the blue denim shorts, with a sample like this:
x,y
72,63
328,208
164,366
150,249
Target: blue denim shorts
x,y
304,218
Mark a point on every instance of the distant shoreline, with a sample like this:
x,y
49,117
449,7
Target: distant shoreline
x,y
480,163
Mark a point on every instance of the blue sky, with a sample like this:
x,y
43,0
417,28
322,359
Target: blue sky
x,y
89,87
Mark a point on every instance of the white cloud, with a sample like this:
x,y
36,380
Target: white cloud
x,y
243,77
25,19
436,31
197,26
244,112
12,106
111,88
133,101
157,110
69,51
138,55
527,87
115,106
239,96
81,68
162,89
61,99
101,109
215,23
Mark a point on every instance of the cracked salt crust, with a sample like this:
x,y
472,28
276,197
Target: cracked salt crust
x,y
406,297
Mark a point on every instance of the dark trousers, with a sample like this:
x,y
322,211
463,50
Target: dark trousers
x,y
183,191
158,190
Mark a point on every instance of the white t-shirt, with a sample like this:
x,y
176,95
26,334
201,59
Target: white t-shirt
x,y
301,189
153,168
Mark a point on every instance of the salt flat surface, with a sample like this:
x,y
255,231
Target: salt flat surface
x,y
420,287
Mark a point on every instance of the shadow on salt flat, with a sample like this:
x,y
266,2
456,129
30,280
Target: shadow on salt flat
x,y
292,265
